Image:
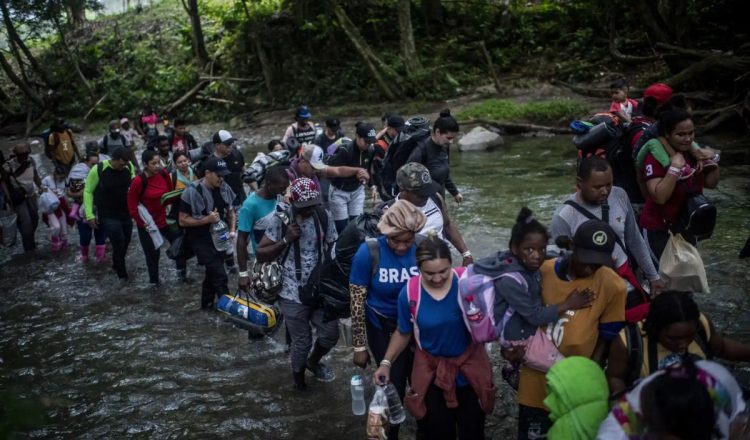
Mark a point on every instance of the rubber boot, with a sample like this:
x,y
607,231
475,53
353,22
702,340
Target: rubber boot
x,y
99,252
84,254
63,243
299,380
55,243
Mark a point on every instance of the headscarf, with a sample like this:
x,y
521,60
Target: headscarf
x,y
401,217
578,398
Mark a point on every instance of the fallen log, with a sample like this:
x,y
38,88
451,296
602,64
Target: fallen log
x,y
96,104
516,127
186,97
230,79
219,100
596,92
31,125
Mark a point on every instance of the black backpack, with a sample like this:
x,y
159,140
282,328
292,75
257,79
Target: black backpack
x,y
397,155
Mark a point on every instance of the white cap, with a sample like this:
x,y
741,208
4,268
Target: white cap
x,y
356,379
314,154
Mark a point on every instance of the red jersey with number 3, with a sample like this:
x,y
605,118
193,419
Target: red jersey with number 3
x,y
657,217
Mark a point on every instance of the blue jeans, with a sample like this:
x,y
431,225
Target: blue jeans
x,y
85,232
118,230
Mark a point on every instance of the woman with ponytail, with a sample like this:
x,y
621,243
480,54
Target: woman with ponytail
x,y
434,152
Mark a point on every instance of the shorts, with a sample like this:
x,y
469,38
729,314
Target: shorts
x,y
344,204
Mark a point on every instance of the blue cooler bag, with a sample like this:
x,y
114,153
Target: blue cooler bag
x,y
249,313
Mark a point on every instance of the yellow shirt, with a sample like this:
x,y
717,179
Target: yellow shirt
x,y
63,152
576,332
664,356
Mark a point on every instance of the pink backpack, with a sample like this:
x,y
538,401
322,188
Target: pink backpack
x,y
413,293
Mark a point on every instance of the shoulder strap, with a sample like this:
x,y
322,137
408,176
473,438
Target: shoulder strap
x,y
653,358
703,339
634,347
174,179
99,168
589,215
374,247
438,200
414,294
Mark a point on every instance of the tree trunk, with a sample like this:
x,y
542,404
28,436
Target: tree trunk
x,y
615,52
674,13
260,51
73,58
363,49
651,20
491,67
199,45
13,35
8,69
408,46
76,11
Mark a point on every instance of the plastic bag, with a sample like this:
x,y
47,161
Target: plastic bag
x,y
377,416
681,266
48,202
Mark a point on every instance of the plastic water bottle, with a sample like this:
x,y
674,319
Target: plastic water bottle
x,y
473,314
396,413
220,236
358,395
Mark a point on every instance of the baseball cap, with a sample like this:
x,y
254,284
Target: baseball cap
x,y
303,112
395,121
223,137
314,154
124,120
304,193
659,91
367,131
415,177
594,242
218,166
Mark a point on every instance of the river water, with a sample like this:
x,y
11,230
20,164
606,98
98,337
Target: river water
x,y
81,358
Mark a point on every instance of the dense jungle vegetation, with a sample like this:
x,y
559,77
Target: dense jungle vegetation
x,y
212,59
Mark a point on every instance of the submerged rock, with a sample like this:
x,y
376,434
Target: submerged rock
x,y
479,139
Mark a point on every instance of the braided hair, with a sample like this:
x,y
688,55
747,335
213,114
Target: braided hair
x,y
668,308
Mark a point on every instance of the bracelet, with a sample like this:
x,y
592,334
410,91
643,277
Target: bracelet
x,y
674,171
360,349
385,363
716,158
466,254
244,273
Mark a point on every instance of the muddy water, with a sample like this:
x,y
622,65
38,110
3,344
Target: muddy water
x,y
99,361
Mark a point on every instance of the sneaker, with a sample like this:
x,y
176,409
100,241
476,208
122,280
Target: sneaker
x,y
322,372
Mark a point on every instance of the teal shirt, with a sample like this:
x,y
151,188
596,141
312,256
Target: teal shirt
x,y
252,218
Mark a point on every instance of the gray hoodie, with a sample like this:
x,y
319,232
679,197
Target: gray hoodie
x,y
530,312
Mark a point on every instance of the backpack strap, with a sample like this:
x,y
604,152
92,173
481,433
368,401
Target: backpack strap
x,y
653,358
374,247
634,347
413,294
510,311
589,215
174,178
703,339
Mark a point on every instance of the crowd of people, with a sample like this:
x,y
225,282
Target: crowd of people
x,y
592,338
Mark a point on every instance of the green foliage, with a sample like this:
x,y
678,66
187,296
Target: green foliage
x,y
546,112
17,415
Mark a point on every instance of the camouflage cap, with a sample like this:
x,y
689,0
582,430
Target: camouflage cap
x,y
415,177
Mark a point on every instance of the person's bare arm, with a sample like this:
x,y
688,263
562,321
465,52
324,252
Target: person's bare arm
x,y
188,221
617,367
453,235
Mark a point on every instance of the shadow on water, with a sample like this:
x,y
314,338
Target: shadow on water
x,y
102,361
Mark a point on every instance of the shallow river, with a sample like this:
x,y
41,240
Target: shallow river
x,y
95,361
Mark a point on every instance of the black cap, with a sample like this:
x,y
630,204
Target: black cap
x,y
395,121
218,166
367,131
333,123
594,242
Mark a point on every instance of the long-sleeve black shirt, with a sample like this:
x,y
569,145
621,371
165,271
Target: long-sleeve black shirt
x,y
435,159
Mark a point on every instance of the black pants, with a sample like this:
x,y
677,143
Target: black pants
x,y
377,340
442,423
28,220
533,423
215,282
118,230
152,254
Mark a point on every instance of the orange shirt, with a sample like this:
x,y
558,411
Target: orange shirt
x,y
576,332
63,152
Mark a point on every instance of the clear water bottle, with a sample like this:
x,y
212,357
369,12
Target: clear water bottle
x,y
358,395
473,313
220,236
396,413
